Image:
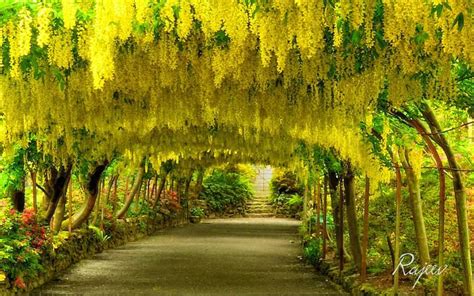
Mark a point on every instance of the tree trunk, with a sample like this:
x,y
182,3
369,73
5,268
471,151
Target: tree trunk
x,y
306,194
149,189
34,191
109,188
351,217
47,190
114,196
325,210
416,208
341,228
153,190
57,185
199,181
333,183
98,203
442,197
126,186
69,203
160,189
396,253
128,201
365,237
140,191
59,213
92,192
317,203
61,208
186,194
459,195
18,199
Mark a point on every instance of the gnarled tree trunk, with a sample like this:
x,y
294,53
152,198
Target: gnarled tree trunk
x,y
128,201
56,187
160,189
92,189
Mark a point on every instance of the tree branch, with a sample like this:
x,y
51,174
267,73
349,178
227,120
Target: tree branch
x,y
42,189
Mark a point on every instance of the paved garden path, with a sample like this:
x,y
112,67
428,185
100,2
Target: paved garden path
x,y
247,256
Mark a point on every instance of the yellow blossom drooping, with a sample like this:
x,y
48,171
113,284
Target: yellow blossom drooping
x,y
60,51
185,21
43,22
180,77
19,37
69,13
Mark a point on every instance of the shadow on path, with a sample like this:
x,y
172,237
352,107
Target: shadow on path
x,y
246,256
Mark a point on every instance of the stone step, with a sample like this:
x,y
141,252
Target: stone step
x,y
259,199
258,203
267,215
259,211
263,206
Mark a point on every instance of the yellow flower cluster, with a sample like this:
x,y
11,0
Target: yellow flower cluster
x,y
19,36
60,51
161,76
43,24
69,13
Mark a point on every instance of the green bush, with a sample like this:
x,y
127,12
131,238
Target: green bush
x,y
287,194
313,250
287,184
224,191
22,243
197,212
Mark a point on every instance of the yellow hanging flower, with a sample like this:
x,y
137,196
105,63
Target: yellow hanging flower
x,y
69,13
43,20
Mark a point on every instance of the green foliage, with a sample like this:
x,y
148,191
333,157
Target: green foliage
x,y
142,209
287,194
22,243
313,250
286,183
100,234
197,212
12,172
224,190
295,201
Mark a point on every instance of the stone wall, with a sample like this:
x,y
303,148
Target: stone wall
x,y
84,243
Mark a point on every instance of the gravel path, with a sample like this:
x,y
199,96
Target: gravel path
x,y
246,256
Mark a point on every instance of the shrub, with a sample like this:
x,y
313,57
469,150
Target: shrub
x,y
313,250
22,243
226,190
286,183
197,212
287,194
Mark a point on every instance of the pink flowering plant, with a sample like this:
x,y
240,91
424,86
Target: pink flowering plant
x,y
22,243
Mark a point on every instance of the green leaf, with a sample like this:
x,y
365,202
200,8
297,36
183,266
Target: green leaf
x,y
356,37
459,20
421,37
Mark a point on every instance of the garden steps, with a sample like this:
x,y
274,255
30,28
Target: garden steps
x,y
259,207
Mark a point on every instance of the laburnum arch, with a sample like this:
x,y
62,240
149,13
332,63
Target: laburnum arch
x,y
130,71
241,79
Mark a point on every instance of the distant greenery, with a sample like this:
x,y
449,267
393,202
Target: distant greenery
x,y
224,190
197,212
287,194
313,250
